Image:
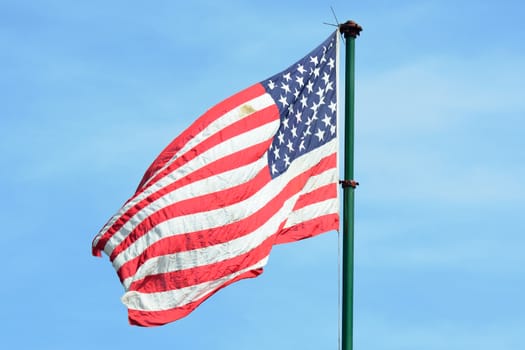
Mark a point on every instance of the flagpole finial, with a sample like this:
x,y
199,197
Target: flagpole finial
x,y
350,29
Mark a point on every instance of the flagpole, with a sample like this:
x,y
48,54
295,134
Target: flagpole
x,y
350,30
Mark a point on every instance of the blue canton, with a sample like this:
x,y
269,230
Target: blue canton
x,y
306,96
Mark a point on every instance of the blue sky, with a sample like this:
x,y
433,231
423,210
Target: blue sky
x,y
91,91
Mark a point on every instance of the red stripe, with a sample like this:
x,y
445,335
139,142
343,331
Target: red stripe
x,y
189,277
208,237
158,318
201,123
325,192
309,228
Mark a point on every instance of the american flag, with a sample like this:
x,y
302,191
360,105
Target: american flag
x,y
258,169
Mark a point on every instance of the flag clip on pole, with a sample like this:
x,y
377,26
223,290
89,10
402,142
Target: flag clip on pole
x,y
350,30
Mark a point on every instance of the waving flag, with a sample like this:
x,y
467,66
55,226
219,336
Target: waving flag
x,y
258,169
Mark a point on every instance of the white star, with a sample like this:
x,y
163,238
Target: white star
x,y
290,146
314,60
294,131
308,121
320,134
316,72
309,87
321,100
271,85
283,101
329,86
333,106
307,132
326,77
304,101
296,93
327,120
285,123
276,153
298,116
285,87
301,69
320,92
281,138
287,76
314,107
332,129
274,169
301,146
300,81
290,109
331,63
323,58
286,160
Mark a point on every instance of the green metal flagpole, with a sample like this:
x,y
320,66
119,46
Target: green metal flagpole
x,y
350,30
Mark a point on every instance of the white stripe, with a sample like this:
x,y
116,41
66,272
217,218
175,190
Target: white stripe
x,y
238,113
222,216
329,206
235,144
327,177
180,297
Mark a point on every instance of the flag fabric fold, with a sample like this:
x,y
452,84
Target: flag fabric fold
x,y
258,169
